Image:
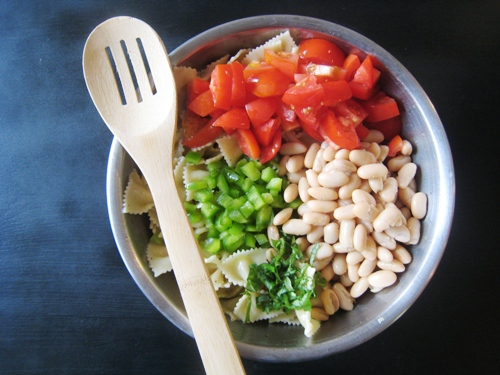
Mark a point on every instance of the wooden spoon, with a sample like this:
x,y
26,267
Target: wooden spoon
x,y
130,80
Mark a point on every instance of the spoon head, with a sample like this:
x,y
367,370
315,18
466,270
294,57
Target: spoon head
x,y
129,77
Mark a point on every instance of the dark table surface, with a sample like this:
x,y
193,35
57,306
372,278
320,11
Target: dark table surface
x,y
68,304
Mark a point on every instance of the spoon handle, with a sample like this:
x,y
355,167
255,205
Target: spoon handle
x,y
211,331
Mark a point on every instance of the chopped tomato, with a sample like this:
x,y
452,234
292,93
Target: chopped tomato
x,y
203,104
191,123
320,51
286,63
362,131
323,73
351,110
343,136
236,118
221,83
263,80
195,88
389,128
248,144
290,125
285,112
380,107
238,92
261,109
335,92
351,64
265,132
206,134
395,145
312,129
271,150
363,84
305,93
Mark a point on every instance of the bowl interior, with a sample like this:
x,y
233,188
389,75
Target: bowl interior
x,y
374,312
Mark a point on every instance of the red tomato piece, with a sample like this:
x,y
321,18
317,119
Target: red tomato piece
x,y
238,92
286,63
221,83
364,74
290,125
305,93
395,145
191,123
265,132
248,144
351,110
236,118
389,128
312,130
285,112
206,134
351,64
323,73
271,150
195,88
362,91
263,80
320,51
310,115
362,131
343,136
380,107
203,104
335,92
261,109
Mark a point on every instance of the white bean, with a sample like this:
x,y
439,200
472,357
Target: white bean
x,y
345,280
374,136
296,176
332,179
291,193
374,148
273,234
295,163
346,302
406,174
374,170
394,266
354,182
316,218
316,234
352,272
303,243
389,191
395,163
382,279
400,233
359,287
384,254
311,155
384,240
418,205
376,184
293,148
359,195
354,257
312,178
331,233
342,165
323,250
283,216
359,238
303,208
384,151
386,218
322,206
339,264
407,148
344,212
296,227
322,193
319,162
342,154
367,267
346,233
329,153
361,157
414,228
401,254
303,186
282,170
406,195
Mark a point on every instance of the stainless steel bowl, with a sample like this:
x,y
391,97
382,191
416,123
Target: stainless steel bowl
x,y
373,312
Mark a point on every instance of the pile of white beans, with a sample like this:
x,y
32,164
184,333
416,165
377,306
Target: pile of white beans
x,y
359,208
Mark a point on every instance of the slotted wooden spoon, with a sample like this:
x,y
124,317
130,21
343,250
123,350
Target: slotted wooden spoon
x,y
130,80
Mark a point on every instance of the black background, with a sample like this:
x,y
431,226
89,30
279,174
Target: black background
x,y
68,304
